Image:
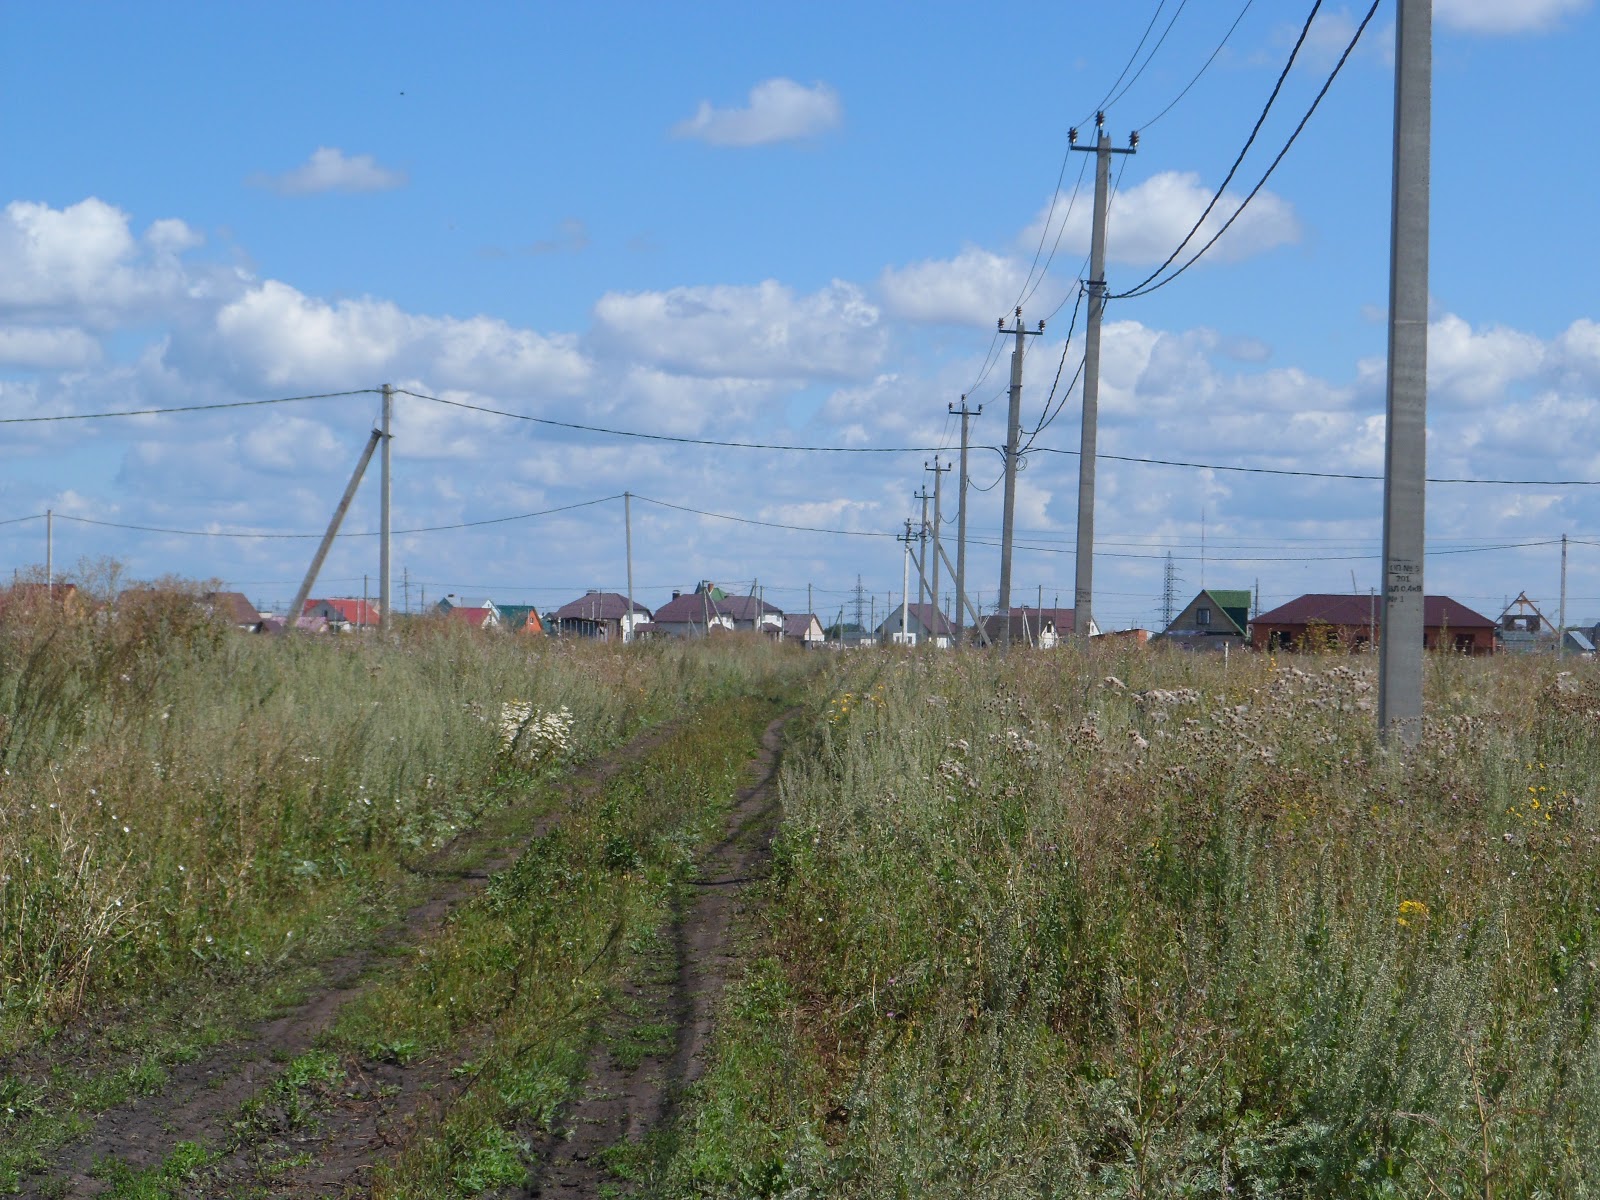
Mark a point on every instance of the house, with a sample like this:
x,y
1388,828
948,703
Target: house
x,y
1039,628
1523,629
520,618
342,614
924,625
694,614
234,608
1575,641
752,613
605,616
1349,622
1214,619
1138,637
803,628
473,616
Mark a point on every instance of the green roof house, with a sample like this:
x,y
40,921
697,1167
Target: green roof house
x,y
1215,618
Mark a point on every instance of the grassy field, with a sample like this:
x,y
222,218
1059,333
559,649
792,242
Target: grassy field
x,y
192,820
1161,925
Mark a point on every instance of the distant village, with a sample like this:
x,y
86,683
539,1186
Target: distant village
x,y
1216,620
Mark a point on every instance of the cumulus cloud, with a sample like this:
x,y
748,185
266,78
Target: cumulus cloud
x,y
1145,222
1477,366
1499,16
760,332
973,288
85,261
284,336
330,169
779,110
47,348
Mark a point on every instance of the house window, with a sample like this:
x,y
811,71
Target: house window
x,y
1202,616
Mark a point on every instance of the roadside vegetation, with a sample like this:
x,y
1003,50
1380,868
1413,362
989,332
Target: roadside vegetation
x,y
1151,925
192,820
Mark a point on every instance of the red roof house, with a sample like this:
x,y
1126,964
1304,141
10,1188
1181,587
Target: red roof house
x,y
1349,622
341,613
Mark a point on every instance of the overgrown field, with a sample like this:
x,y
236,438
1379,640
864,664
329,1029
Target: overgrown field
x,y
1161,925
192,819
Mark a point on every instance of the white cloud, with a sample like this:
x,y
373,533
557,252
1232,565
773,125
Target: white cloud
x,y
973,288
84,261
329,169
1506,16
1147,221
780,110
1477,367
760,332
48,348
284,336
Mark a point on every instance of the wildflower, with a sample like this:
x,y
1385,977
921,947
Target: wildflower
x,y
1410,909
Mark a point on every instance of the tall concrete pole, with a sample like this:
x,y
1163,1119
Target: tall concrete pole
x,y
1405,451
922,545
1013,441
905,587
1561,617
50,553
1083,584
938,522
384,523
961,517
627,541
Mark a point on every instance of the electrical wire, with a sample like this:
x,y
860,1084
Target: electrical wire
x,y
1154,17
184,408
667,437
1209,557
1337,67
1154,50
699,512
224,533
1204,68
1277,87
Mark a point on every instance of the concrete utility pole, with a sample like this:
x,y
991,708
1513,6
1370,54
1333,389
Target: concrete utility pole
x,y
922,545
1561,616
1083,597
905,585
1013,454
1405,450
938,521
384,591
627,537
50,552
963,601
961,515
310,580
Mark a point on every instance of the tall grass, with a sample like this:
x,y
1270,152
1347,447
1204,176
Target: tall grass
x,y
177,798
1061,925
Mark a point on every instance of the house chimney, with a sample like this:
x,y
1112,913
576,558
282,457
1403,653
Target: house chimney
x,y
675,595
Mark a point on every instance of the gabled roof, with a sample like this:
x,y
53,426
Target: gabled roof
x,y
599,606
476,618
353,611
1521,607
234,607
1234,603
746,608
1341,608
691,608
932,620
1026,622
797,625
517,616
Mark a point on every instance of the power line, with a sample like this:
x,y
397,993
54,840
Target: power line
x,y
1277,87
1154,50
185,408
1210,557
667,437
766,524
1166,462
239,534
1204,68
1245,203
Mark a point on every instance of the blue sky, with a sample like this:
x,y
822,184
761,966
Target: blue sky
x,y
789,224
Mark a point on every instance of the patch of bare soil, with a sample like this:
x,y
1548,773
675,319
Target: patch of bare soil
x,y
201,1099
656,1042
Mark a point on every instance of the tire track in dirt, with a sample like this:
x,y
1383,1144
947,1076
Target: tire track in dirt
x,y
623,1098
200,1099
